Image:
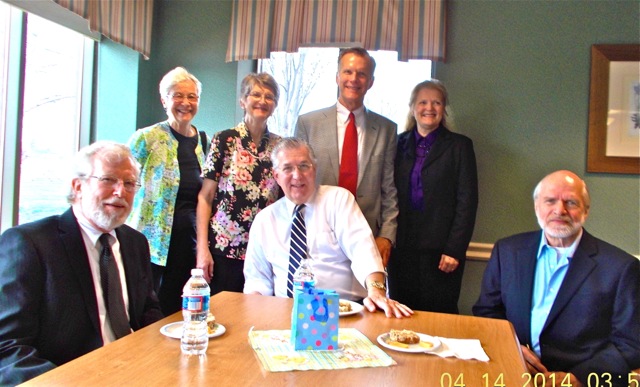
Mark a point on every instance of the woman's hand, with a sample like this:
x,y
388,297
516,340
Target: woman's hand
x,y
448,264
204,261
384,247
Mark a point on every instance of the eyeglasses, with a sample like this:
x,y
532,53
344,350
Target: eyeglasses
x,y
111,182
179,97
302,168
258,96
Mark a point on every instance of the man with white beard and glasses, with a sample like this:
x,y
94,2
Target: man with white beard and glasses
x,y
573,299
74,282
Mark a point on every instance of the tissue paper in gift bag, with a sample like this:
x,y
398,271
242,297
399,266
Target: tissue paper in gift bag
x,y
314,319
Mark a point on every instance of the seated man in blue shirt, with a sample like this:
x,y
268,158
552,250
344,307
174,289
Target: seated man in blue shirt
x,y
339,240
573,299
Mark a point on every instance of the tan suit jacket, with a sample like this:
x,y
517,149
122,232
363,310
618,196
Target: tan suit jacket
x,y
376,193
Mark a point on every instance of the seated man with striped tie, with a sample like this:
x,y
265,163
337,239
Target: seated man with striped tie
x,y
323,222
74,282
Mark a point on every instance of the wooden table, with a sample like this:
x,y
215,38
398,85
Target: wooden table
x,y
148,358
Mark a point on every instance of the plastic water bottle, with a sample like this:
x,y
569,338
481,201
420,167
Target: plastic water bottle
x,y
195,308
304,278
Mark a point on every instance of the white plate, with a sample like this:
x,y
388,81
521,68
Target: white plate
x,y
174,330
413,348
355,308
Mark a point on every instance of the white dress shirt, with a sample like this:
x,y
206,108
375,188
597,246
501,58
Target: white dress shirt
x,y
341,246
90,235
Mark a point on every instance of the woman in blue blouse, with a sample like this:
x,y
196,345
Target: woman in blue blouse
x,y
238,183
164,209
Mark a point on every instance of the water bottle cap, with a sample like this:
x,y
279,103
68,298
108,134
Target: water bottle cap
x,y
197,272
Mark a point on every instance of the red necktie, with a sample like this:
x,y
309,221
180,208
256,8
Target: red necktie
x,y
349,162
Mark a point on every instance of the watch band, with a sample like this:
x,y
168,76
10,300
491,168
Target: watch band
x,y
378,285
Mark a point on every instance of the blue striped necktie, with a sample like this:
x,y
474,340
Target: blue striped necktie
x,y
298,249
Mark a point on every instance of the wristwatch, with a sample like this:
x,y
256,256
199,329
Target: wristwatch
x,y
378,285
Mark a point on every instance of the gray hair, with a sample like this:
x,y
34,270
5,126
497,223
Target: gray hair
x,y
175,76
432,84
110,151
289,143
263,80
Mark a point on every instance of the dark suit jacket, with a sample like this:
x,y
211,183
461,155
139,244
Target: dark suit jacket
x,y
376,193
594,323
49,312
450,189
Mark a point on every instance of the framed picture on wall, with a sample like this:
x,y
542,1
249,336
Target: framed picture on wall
x,y
614,109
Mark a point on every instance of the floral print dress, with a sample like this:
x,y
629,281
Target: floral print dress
x,y
245,186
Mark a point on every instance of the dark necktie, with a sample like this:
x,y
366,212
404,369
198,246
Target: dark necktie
x,y
112,290
348,177
298,249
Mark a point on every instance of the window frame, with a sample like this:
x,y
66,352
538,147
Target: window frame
x,y
11,128
261,66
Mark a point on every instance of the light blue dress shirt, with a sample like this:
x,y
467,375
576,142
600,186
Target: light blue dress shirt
x,y
551,269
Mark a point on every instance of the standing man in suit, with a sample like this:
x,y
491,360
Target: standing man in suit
x,y
51,295
369,174
573,299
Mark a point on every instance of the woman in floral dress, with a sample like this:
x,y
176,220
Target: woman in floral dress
x,y
238,183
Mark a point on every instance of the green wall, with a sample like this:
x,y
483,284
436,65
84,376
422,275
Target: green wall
x,y
192,34
518,73
518,77
116,104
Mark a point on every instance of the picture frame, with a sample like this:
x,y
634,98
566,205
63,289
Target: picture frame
x,y
614,130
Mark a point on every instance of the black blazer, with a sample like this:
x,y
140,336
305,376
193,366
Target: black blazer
x,y
594,323
48,307
450,190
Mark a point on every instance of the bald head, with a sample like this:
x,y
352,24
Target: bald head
x,y
568,178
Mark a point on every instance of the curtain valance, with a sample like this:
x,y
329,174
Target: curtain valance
x,y
413,28
127,22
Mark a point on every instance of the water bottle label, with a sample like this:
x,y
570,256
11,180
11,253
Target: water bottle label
x,y
195,303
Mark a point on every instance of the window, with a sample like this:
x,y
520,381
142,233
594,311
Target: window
x,y
308,82
46,123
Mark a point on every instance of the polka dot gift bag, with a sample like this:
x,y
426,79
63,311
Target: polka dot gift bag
x,y
314,319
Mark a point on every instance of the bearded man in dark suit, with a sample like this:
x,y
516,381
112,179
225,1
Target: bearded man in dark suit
x,y
53,309
573,299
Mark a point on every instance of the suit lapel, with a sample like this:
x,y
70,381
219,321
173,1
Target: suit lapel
x,y
581,265
439,147
525,266
371,133
76,254
329,124
126,252
407,146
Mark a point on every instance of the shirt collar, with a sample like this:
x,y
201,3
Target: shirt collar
x,y
92,232
343,113
569,250
429,139
290,206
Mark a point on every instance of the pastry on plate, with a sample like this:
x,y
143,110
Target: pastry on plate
x,y
404,336
211,323
345,306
